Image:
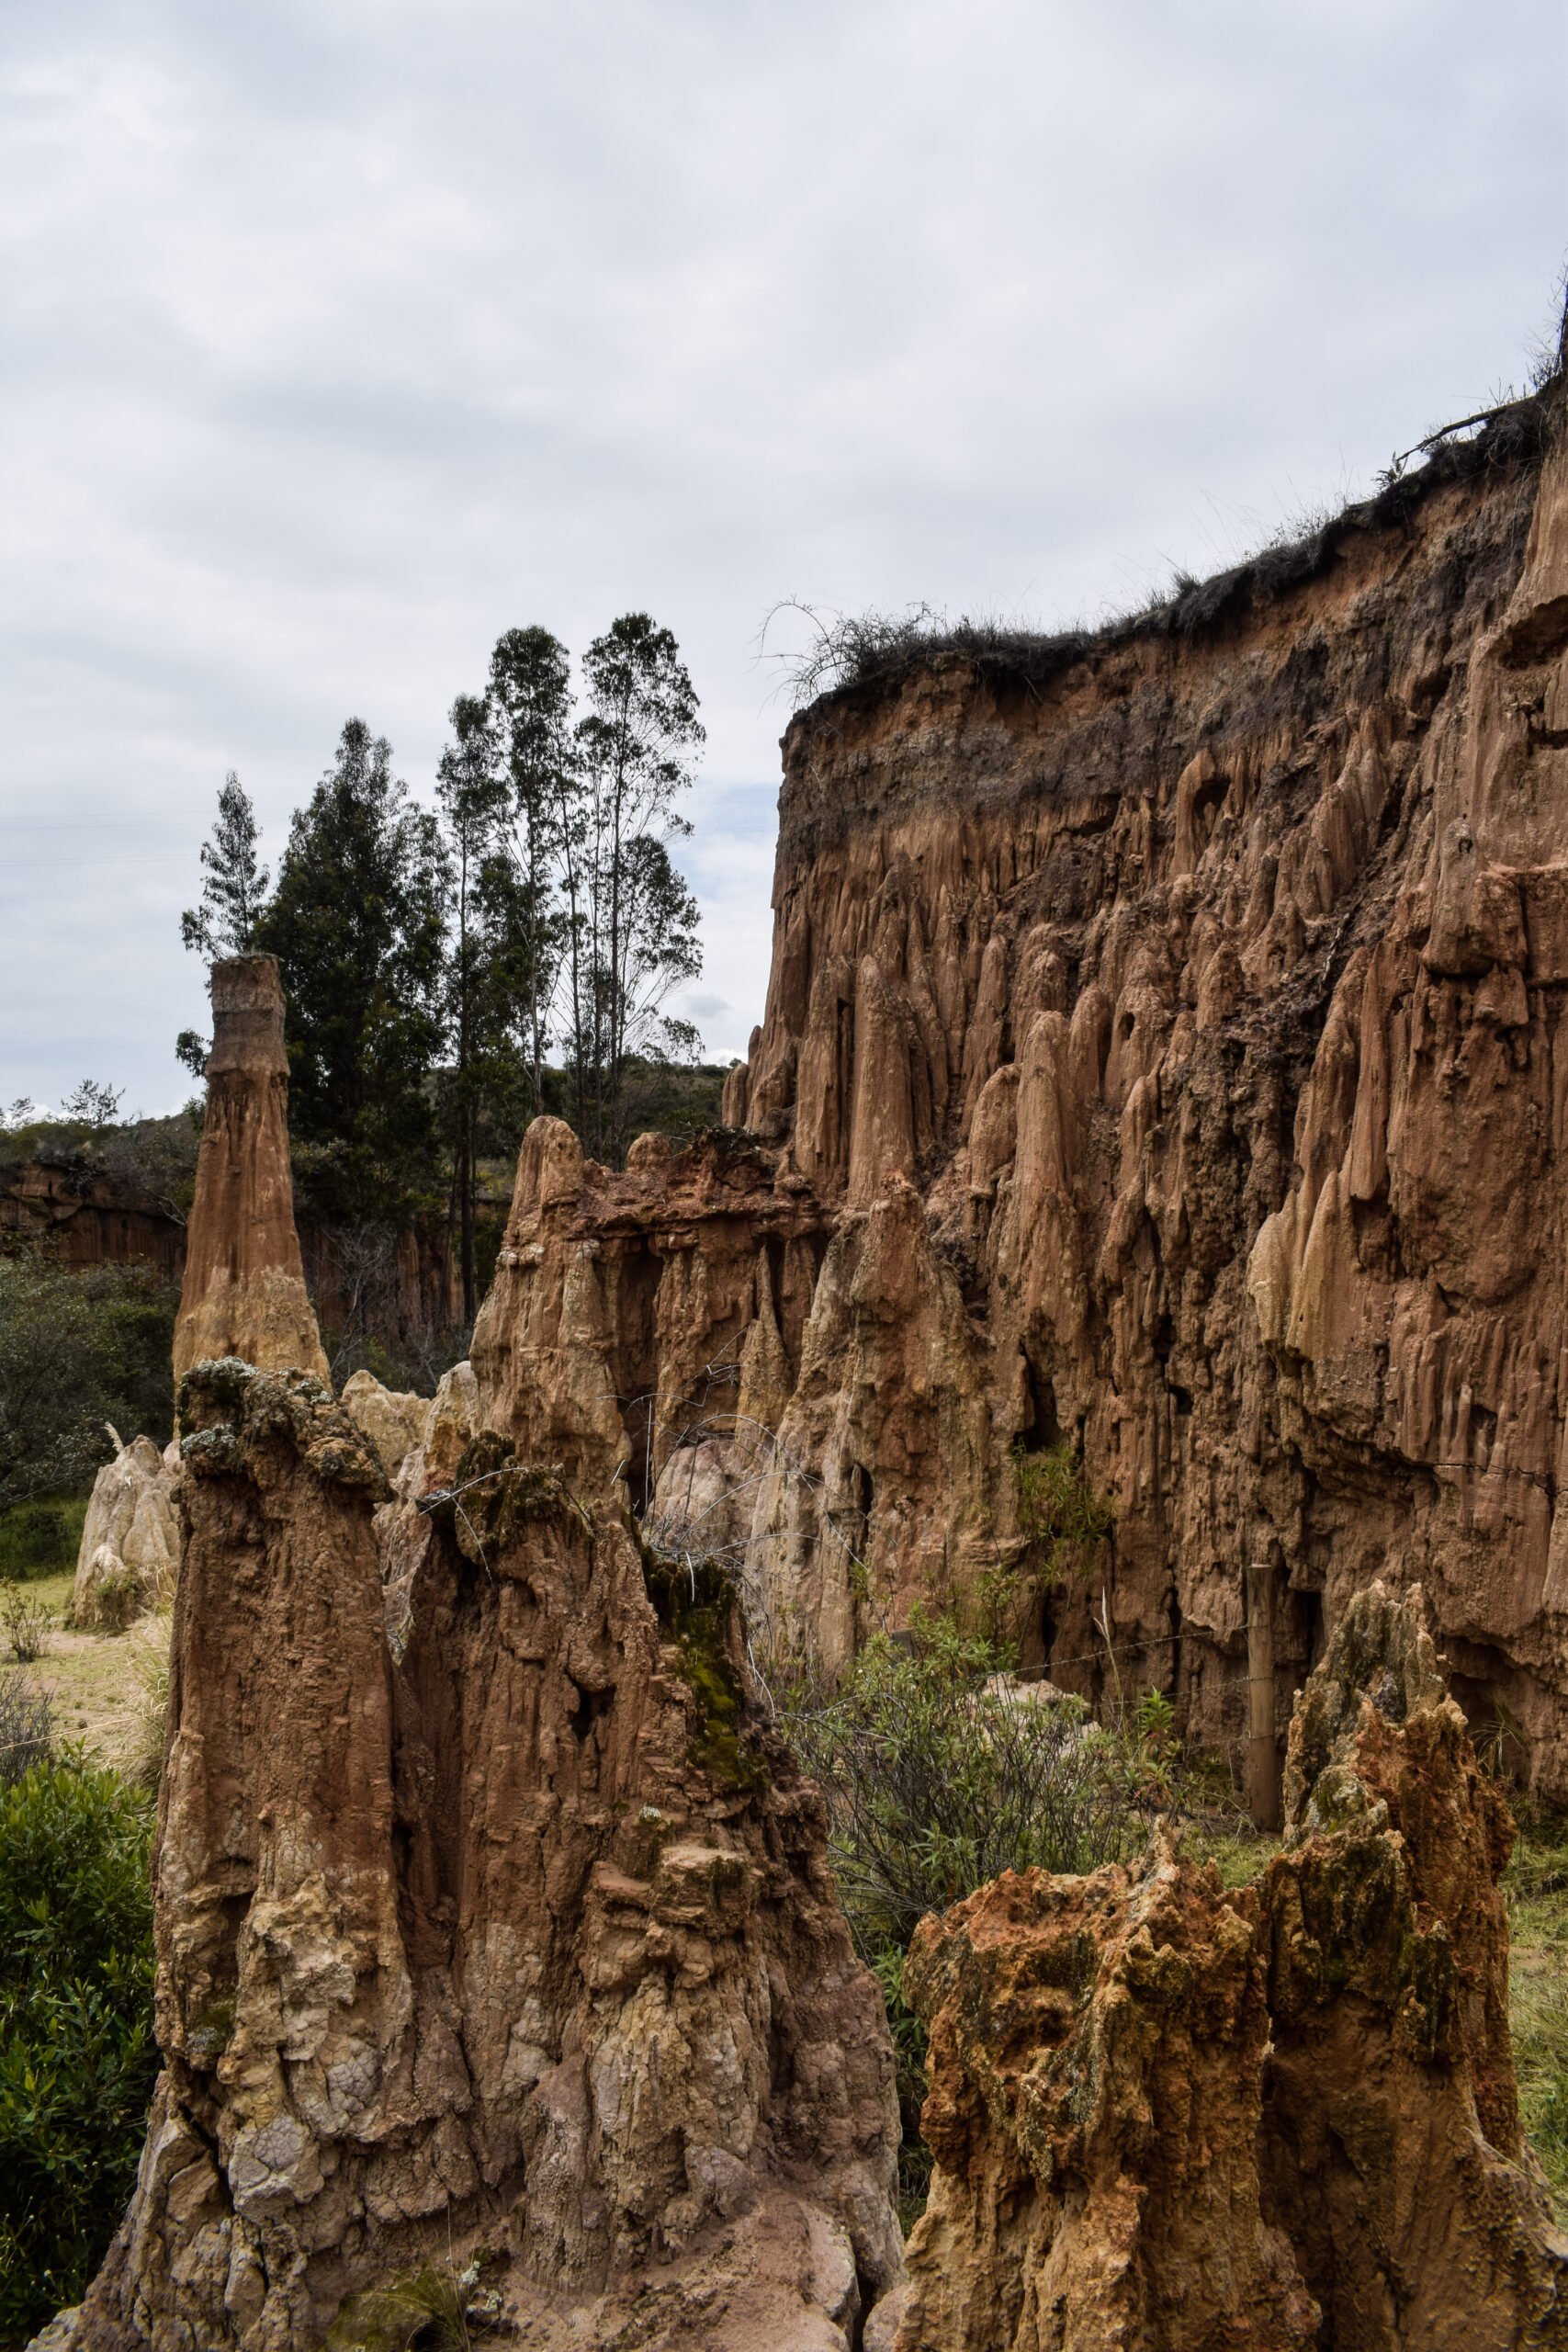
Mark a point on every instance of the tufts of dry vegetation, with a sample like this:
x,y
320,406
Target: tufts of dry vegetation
x,y
875,650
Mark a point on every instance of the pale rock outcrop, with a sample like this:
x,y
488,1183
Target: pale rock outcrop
x,y
128,1556
244,1293
393,1420
1171,2115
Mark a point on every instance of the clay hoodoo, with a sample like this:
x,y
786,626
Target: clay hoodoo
x,y
130,1550
244,1293
514,1930
1171,2115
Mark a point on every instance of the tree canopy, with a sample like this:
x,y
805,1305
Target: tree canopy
x,y
358,926
452,971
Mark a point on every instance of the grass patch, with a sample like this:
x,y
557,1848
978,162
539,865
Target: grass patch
x,y
1240,1853
1536,1884
105,1690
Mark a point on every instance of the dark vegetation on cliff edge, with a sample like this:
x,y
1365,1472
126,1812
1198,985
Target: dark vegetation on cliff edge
x,y
864,657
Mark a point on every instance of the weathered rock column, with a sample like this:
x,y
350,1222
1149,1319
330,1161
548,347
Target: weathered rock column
x,y
1172,2114
244,1282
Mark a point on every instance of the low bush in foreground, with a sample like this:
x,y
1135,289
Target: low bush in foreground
x,y
77,2057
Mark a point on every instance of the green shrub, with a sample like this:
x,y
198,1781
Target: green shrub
x,y
39,1539
1060,1512
78,1349
939,1774
77,2057
1064,1523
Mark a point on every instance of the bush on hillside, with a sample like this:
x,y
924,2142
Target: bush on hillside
x,y
40,1539
940,1775
77,2056
148,1160
76,1351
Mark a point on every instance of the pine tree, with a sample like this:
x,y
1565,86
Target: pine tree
x,y
491,990
233,887
530,696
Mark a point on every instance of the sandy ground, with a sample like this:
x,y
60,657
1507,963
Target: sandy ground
x,y
107,1689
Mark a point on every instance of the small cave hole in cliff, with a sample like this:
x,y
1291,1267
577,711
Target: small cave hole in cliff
x,y
1042,1425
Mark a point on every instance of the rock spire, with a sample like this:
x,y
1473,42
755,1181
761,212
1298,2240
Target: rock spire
x,y
1177,2115
244,1284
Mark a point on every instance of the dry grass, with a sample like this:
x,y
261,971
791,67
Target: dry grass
x,y
105,1688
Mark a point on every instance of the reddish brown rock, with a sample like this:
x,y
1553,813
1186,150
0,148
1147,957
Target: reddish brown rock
x,y
1096,2059
245,1285
518,1930
1392,2143
1170,2116
1160,1057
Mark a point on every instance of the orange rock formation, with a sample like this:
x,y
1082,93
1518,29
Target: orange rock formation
x,y
517,1928
1160,1059
1168,2115
244,1286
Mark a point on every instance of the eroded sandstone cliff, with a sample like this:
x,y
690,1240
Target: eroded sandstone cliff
x,y
1163,1056
1160,1060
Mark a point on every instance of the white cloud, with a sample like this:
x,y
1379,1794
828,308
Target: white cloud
x,y
342,337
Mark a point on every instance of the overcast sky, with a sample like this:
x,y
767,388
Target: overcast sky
x,y
340,336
